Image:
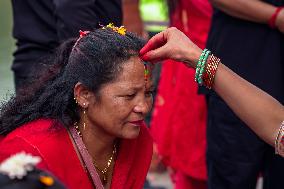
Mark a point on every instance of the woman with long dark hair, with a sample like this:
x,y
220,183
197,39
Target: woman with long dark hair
x,y
84,115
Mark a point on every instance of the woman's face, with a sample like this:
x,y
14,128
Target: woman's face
x,y
123,103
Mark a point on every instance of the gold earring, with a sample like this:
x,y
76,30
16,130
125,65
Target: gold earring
x,y
84,116
76,100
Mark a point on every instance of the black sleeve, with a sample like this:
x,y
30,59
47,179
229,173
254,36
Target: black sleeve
x,y
74,15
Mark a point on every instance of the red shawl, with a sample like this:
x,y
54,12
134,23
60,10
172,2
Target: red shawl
x,y
59,156
178,125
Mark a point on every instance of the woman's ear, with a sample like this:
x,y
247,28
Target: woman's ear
x,y
83,95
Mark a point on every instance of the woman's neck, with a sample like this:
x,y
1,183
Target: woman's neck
x,y
101,147
99,144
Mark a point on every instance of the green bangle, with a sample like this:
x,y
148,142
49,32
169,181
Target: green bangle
x,y
199,64
202,67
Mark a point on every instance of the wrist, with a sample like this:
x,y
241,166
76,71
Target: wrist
x,y
206,69
196,57
192,58
273,21
280,19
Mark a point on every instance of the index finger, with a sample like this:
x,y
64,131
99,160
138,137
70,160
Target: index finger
x,y
155,42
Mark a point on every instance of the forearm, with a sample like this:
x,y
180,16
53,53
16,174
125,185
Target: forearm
x,y
262,113
131,17
250,10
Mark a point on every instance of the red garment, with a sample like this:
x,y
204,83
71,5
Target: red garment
x,y
183,180
59,156
178,124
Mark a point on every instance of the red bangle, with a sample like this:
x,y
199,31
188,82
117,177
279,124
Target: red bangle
x,y
210,71
272,19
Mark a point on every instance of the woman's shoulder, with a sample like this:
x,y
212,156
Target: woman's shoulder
x,y
35,129
37,137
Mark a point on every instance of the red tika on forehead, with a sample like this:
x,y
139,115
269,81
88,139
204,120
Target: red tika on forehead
x,y
146,72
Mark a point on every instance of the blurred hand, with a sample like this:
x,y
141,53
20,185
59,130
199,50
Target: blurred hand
x,y
171,44
280,21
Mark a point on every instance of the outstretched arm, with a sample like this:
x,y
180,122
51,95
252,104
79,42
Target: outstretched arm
x,y
262,113
247,10
253,10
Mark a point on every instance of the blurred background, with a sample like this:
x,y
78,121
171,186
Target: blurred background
x,y
7,46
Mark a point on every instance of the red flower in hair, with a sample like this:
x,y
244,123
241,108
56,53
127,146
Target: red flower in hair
x,y
83,33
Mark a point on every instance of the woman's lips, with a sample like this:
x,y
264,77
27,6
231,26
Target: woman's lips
x,y
137,123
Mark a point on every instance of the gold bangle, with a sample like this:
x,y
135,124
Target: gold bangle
x,y
278,146
211,69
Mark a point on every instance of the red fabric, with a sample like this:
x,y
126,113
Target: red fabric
x,y
178,124
59,156
183,181
133,162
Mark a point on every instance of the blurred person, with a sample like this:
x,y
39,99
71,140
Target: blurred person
x,y
154,14
19,172
40,26
253,31
180,134
132,19
84,115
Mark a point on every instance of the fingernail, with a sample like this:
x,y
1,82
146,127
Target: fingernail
x,y
141,52
144,57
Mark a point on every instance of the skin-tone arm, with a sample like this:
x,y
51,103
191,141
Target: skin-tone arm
x,y
132,19
252,10
261,112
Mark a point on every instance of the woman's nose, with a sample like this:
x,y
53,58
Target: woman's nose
x,y
143,107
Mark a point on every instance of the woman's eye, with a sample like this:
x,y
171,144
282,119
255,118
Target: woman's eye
x,y
130,96
149,93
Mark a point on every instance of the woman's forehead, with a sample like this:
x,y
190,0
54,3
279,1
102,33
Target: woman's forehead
x,y
132,69
132,75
